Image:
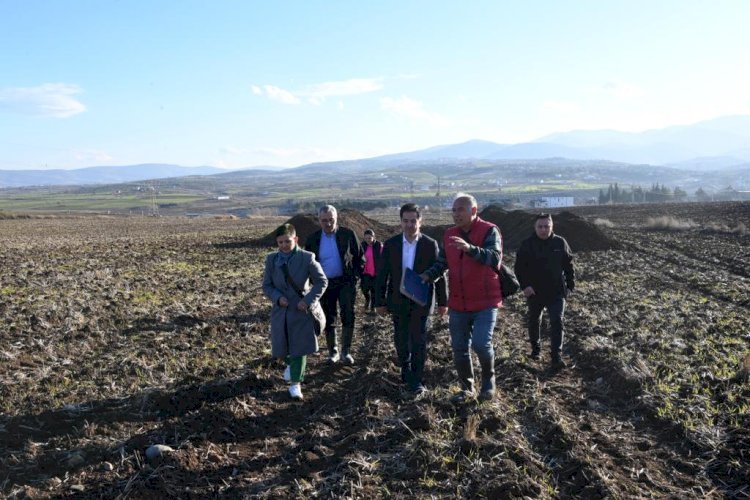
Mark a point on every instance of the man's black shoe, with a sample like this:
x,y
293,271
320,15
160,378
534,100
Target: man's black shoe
x,y
558,363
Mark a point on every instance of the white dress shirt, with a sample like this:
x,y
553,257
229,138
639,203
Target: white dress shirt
x,y
409,251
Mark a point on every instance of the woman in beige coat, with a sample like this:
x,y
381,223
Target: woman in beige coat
x,y
288,273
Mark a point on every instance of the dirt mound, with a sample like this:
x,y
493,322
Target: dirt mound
x,y
306,224
518,225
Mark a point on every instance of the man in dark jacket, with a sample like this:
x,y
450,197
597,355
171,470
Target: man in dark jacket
x,y
544,267
339,252
416,251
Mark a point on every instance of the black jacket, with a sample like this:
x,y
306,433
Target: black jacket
x,y
546,266
350,250
388,282
377,250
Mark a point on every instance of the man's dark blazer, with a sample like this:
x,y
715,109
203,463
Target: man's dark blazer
x,y
388,282
349,247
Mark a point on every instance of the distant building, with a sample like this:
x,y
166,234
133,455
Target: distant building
x,y
220,198
730,194
553,202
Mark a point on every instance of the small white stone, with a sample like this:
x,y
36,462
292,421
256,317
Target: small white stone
x,y
157,450
106,466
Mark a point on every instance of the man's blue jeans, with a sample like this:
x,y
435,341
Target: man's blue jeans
x,y
472,330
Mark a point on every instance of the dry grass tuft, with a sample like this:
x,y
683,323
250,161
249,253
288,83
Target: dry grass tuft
x,y
603,223
739,228
471,426
669,223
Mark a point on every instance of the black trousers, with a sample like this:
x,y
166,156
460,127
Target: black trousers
x,y
340,295
367,285
555,309
410,339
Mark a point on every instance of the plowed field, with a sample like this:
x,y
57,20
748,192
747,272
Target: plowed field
x,y
118,334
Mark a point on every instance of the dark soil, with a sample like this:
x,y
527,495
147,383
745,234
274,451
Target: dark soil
x,y
306,224
116,335
517,225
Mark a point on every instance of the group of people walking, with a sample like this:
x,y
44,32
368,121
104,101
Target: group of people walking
x,y
461,276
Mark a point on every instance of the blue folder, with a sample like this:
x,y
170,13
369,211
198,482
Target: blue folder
x,y
413,287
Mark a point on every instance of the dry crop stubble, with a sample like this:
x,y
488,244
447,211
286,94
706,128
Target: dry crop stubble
x,y
122,333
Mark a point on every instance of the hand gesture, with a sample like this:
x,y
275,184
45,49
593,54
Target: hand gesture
x,y
460,243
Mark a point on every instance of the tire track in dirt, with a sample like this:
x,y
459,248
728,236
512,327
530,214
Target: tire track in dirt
x,y
575,423
673,269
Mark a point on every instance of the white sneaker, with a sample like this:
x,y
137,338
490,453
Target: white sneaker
x,y
288,373
295,391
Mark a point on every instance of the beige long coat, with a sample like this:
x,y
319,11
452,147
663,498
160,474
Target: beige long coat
x,y
293,331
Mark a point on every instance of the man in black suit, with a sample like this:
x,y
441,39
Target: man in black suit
x,y
416,251
340,254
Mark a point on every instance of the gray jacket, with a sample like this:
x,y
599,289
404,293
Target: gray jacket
x,y
292,331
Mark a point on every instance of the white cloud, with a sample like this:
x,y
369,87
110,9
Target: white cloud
x,y
561,106
88,155
276,94
622,90
318,93
413,110
231,150
354,86
50,99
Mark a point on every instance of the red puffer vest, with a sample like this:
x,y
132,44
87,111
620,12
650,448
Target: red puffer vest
x,y
472,286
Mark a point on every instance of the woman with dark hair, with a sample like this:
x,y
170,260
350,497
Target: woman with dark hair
x,y
294,281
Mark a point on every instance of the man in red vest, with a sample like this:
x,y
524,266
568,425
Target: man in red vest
x,y
472,252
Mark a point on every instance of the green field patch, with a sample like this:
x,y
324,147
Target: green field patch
x,y
92,202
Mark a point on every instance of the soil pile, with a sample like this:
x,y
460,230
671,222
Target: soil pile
x,y
518,225
306,224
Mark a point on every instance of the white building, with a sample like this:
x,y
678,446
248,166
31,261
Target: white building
x,y
553,202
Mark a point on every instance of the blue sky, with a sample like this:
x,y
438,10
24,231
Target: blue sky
x,y
247,83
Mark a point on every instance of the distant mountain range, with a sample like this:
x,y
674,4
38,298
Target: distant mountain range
x,y
713,145
99,175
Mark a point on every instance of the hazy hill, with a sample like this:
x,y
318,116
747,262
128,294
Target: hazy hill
x,y
99,175
725,136
722,137
720,145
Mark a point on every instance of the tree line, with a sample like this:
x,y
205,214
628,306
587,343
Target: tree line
x,y
637,194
